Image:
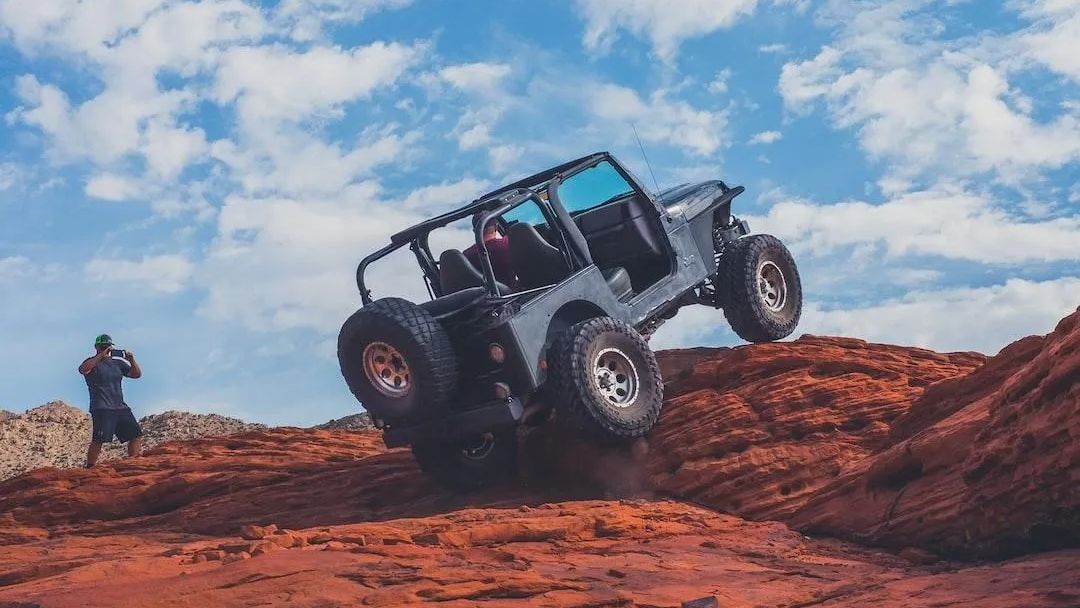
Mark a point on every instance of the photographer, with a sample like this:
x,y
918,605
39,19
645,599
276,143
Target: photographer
x,y
112,417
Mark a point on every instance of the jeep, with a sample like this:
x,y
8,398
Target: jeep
x,y
598,264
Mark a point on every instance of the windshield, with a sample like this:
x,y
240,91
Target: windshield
x,y
528,212
593,187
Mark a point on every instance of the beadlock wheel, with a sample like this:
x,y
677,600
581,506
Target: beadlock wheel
x,y
616,377
387,369
772,287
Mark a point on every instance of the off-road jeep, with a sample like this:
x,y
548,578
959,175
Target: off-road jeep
x,y
599,264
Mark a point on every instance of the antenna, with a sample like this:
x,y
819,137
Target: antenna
x,y
642,148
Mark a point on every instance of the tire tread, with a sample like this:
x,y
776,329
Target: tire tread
x,y
571,380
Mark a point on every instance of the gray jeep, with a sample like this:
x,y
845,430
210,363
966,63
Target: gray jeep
x,y
599,263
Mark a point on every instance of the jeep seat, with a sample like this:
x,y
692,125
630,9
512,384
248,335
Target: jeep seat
x,y
539,264
456,273
536,262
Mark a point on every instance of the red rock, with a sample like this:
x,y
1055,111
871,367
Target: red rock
x,y
996,476
253,532
263,546
820,432
916,555
235,557
213,555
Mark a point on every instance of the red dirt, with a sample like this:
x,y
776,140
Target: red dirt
x,y
820,435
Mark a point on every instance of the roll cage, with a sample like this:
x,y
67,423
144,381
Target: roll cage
x,y
493,205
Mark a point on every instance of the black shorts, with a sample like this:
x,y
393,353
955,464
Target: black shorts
x,y
120,423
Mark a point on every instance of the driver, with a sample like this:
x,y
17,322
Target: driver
x,y
498,247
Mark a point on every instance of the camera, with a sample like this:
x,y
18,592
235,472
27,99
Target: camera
x,y
118,353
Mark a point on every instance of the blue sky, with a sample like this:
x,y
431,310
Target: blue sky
x,y
199,178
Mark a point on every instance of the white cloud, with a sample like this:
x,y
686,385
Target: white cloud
x,y
439,198
475,77
1052,39
945,222
112,187
304,253
73,26
277,82
15,267
305,20
161,273
665,24
290,161
9,175
766,137
169,149
719,85
933,107
774,48
964,318
660,119
127,44
688,328
504,156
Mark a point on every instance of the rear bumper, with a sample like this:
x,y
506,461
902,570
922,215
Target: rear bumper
x,y
491,416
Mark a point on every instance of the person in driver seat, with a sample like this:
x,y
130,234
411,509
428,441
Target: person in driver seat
x,y
498,246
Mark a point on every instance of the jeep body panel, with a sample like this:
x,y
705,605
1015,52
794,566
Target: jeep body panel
x,y
704,205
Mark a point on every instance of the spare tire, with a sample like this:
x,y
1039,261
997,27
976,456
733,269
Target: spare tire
x,y
397,360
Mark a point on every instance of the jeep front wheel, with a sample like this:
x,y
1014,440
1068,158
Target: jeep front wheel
x,y
760,288
605,380
397,359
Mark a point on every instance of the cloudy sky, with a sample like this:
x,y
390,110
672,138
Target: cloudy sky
x,y
199,178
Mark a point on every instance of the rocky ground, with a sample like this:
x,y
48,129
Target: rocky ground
x,y
355,422
56,435
824,472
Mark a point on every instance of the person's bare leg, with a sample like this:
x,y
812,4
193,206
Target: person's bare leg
x,y
135,447
92,454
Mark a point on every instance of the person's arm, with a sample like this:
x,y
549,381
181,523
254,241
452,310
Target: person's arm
x,y
89,364
135,372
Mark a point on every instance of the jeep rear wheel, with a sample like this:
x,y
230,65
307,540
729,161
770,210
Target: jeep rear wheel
x,y
605,380
397,359
484,460
760,288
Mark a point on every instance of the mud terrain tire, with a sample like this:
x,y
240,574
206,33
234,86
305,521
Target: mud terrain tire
x,y
760,288
605,380
397,360
464,466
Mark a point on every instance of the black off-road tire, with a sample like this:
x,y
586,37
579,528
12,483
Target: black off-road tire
x,y
580,403
422,342
737,280
463,466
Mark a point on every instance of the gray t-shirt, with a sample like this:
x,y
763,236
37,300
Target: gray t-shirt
x,y
104,384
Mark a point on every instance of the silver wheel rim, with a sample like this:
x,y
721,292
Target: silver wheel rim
x,y
387,369
772,287
480,450
615,377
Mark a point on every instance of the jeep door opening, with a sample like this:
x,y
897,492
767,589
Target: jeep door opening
x,y
599,264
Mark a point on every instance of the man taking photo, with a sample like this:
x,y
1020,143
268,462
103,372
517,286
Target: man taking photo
x,y
112,417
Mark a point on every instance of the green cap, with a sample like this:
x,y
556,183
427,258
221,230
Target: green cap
x,y
103,340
